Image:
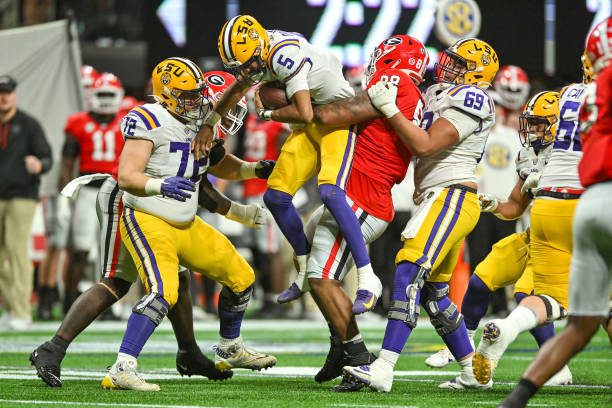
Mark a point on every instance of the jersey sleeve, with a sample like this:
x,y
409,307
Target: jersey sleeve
x,y
466,107
290,66
72,124
135,125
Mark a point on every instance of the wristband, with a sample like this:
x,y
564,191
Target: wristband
x,y
212,119
236,212
265,114
153,186
247,170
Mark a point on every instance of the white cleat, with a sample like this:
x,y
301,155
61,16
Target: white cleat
x,y
563,377
465,382
124,376
378,375
239,356
440,359
496,337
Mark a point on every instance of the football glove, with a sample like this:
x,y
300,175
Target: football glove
x,y
264,168
488,203
217,152
252,215
177,188
531,182
526,162
383,95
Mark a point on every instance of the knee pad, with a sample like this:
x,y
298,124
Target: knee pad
x,y
234,302
554,311
409,311
153,306
274,198
444,315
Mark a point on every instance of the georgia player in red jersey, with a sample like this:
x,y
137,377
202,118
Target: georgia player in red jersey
x,y
94,139
591,268
380,161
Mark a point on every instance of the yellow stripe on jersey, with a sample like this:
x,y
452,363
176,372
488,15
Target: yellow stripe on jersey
x,y
456,90
144,114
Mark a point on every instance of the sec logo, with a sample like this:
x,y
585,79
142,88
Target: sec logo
x,y
457,19
498,156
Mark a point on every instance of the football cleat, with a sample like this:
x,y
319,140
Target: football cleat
x,y
364,301
47,359
462,383
440,359
496,337
378,375
348,384
195,363
124,376
563,377
334,362
239,356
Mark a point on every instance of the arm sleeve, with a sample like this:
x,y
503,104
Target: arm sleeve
x,y
71,146
41,147
464,122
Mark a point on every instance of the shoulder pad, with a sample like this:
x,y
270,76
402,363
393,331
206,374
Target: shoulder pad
x,y
138,123
470,99
286,59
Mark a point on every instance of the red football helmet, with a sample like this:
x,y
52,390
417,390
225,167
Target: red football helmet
x,y
402,52
511,87
88,76
217,82
106,94
598,48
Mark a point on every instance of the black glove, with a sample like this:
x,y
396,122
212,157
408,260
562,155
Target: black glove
x,y
264,168
217,152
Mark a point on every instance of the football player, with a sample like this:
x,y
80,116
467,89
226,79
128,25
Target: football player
x,y
458,116
381,161
311,76
119,272
590,271
556,189
159,227
94,140
57,213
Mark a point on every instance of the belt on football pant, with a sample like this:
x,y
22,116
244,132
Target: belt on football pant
x,y
464,188
560,193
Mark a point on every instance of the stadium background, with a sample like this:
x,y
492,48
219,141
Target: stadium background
x,y
129,37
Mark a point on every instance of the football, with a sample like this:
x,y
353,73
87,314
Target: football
x,y
273,96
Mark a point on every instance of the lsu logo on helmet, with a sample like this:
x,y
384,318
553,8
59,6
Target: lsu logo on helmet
x,y
470,62
538,122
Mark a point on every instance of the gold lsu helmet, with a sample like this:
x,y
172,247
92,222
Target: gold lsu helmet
x,y
243,42
587,69
539,121
178,85
470,62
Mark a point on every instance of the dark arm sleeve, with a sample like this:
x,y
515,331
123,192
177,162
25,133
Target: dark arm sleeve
x,y
211,199
71,147
40,146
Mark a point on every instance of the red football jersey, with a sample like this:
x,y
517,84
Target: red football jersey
x,y
596,163
381,159
99,144
260,143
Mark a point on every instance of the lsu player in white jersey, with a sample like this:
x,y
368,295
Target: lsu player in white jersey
x,y
557,190
458,115
159,227
311,76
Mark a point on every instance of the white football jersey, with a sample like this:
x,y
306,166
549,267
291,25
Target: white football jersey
x,y
561,170
298,64
496,172
171,156
472,112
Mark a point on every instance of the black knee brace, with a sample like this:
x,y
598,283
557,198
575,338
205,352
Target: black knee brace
x,y
554,310
235,302
152,306
444,321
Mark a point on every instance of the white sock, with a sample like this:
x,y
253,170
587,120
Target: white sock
x,y
121,357
522,318
466,366
471,334
366,277
389,357
223,342
300,279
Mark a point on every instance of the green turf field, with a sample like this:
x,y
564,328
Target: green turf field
x,y
301,348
